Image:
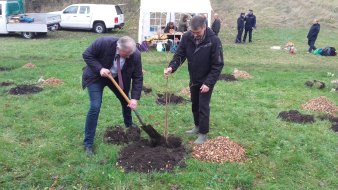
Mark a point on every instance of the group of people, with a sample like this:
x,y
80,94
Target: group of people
x,y
118,58
247,23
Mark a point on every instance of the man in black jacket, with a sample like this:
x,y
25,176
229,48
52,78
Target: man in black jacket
x,y
117,57
312,35
216,25
203,50
240,27
250,24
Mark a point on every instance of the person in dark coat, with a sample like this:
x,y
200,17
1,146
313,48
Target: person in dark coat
x,y
119,58
216,25
183,23
203,50
170,27
240,27
312,35
250,24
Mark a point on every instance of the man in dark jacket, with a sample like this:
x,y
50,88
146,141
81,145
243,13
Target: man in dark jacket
x,y
216,25
312,35
117,57
203,50
240,27
250,24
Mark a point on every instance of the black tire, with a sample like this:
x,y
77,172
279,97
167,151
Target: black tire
x,y
28,35
99,28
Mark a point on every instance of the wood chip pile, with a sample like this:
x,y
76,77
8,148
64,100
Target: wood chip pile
x,y
52,81
241,74
29,65
220,150
321,104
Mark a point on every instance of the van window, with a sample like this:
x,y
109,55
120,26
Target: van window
x,y
84,10
118,10
71,10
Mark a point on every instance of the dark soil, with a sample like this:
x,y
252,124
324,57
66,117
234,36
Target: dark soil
x,y
172,99
5,69
147,90
118,135
227,77
328,117
6,83
25,89
143,157
335,127
296,117
315,83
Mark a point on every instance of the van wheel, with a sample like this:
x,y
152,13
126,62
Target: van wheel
x,y
28,35
99,28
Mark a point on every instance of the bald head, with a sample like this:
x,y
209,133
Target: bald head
x,y
315,21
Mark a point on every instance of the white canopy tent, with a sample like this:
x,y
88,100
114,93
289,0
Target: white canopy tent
x,y
155,14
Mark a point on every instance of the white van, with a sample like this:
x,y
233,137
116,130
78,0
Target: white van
x,y
97,17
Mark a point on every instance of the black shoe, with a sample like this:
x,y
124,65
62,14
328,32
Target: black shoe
x,y
89,151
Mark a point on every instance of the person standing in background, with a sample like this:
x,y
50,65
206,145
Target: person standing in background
x,y
312,35
240,27
250,24
216,25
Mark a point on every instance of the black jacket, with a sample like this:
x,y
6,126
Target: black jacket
x,y
216,26
250,22
313,32
205,61
240,23
100,54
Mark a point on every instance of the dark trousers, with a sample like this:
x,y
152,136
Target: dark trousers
x,y
200,107
95,91
239,35
250,35
311,43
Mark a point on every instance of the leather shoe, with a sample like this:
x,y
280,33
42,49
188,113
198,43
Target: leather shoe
x,y
89,151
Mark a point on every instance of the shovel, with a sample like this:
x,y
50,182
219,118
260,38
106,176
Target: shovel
x,y
153,134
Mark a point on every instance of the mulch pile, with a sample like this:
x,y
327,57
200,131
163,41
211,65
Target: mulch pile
x,y
315,83
227,77
25,89
6,83
321,104
241,74
117,135
185,91
172,99
52,82
296,116
219,149
146,89
142,156
29,66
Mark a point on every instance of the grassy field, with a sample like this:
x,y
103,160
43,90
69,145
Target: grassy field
x,y
41,134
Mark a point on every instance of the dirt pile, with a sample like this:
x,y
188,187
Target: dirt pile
x,y
172,99
219,149
6,83
25,89
315,83
146,89
143,157
117,135
296,117
321,104
227,77
52,82
241,74
335,127
29,66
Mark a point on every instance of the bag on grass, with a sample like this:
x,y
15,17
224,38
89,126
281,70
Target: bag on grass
x,y
329,51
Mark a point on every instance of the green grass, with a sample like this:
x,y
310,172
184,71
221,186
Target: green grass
x,y
41,134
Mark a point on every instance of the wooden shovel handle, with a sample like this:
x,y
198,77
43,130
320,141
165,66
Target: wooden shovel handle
x,y
119,88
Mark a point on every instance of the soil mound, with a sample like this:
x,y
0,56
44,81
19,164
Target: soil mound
x,y
117,135
328,117
296,117
335,127
25,89
5,69
172,99
143,157
52,82
6,83
241,74
227,77
220,150
29,66
321,104
315,83
147,90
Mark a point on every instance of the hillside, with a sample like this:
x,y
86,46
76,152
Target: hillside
x,y
270,13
